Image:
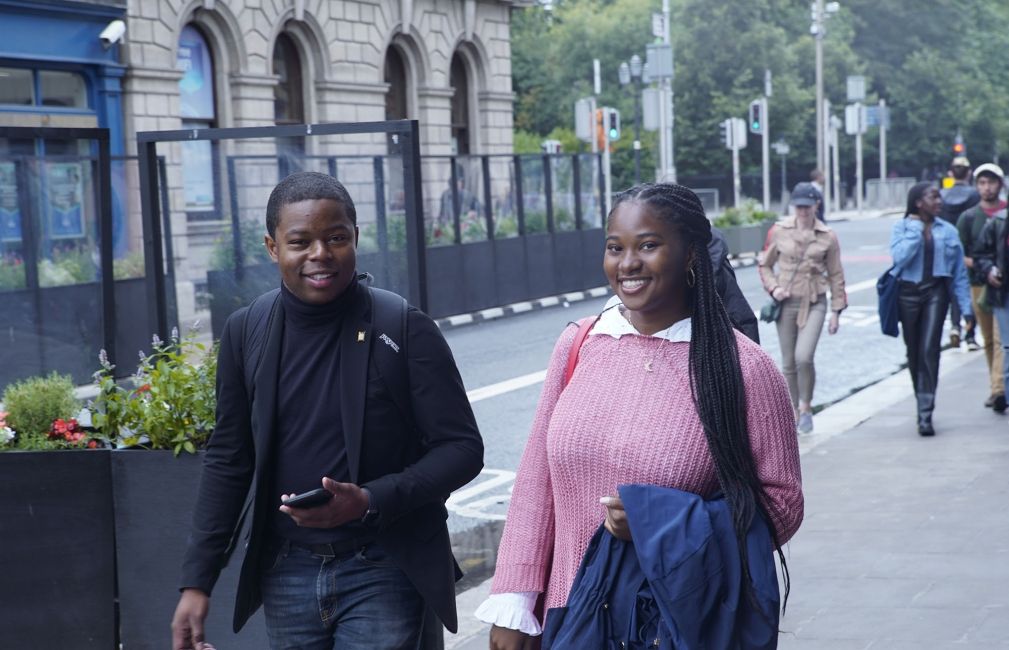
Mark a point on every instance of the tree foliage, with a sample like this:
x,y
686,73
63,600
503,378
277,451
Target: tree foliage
x,y
937,65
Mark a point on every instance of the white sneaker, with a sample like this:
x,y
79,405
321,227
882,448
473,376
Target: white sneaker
x,y
805,423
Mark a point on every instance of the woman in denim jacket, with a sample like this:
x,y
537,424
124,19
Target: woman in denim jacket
x,y
927,257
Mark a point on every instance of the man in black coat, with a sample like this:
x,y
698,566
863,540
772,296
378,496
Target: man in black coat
x,y
360,569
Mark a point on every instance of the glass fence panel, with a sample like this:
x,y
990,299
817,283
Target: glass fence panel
x,y
534,196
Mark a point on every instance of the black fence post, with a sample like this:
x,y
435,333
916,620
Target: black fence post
x,y
236,222
166,219
414,201
576,181
104,194
29,239
331,166
456,220
520,208
488,209
154,263
603,199
381,223
548,189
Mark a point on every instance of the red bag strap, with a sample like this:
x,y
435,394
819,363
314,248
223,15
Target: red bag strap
x,y
584,326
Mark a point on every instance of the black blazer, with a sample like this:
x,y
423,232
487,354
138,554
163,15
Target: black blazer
x,y
410,465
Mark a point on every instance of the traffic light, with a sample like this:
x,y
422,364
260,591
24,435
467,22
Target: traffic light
x,y
613,125
959,148
756,116
726,128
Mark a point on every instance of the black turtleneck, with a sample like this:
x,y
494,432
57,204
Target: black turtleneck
x,y
309,442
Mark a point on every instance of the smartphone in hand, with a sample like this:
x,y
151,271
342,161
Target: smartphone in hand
x,y
316,497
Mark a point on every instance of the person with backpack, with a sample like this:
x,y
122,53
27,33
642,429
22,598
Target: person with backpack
x,y
342,425
658,390
991,261
989,179
955,200
928,261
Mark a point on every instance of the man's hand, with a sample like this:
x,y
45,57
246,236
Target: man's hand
x,y
995,277
349,503
835,323
501,638
187,624
968,262
616,518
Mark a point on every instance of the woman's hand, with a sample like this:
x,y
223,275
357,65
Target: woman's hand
x,y
835,322
780,293
616,518
995,277
501,638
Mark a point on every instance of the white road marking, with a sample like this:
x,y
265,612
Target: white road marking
x,y
506,386
464,502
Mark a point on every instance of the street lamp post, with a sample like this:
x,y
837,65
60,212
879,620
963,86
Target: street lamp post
x,y
821,11
629,72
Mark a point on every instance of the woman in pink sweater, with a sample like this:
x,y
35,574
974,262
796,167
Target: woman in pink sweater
x,y
665,393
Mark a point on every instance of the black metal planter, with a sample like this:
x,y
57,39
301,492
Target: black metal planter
x,y
154,495
57,550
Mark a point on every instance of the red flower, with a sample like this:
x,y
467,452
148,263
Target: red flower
x,y
143,389
92,444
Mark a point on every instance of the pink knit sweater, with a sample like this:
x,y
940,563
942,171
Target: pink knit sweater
x,y
618,423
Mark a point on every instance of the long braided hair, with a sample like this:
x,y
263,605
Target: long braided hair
x,y
716,381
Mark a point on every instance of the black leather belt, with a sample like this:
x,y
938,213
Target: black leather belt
x,y
335,549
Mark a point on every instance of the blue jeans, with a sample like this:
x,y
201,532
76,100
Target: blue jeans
x,y
1001,314
355,601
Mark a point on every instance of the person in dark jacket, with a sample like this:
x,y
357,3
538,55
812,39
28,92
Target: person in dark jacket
x,y
992,262
363,568
956,200
740,311
989,179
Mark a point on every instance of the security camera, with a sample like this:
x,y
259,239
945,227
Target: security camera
x,y
112,34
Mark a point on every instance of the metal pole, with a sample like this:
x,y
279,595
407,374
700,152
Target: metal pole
x,y
818,37
858,160
735,175
608,176
637,133
837,170
670,171
825,126
766,154
784,183
882,139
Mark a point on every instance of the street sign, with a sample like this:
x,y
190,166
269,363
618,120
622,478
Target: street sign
x,y
650,109
877,115
854,119
781,148
583,119
658,25
856,88
659,58
597,84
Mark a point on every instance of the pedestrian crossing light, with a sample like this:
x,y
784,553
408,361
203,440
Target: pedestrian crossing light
x,y
756,118
958,146
613,125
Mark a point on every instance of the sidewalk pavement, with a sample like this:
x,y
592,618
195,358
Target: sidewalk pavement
x,y
905,542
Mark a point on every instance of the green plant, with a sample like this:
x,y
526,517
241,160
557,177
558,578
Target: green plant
x,y
172,403
33,404
536,221
506,227
74,265
130,266
222,256
744,215
12,274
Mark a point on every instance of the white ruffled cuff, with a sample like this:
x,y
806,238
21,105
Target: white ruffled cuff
x,y
513,611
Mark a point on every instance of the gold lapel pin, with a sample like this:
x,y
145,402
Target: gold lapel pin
x,y
360,336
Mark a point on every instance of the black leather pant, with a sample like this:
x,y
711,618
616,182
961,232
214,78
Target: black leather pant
x,y
923,309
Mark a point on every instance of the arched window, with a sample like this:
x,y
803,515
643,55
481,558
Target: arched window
x,y
199,111
460,106
288,100
395,97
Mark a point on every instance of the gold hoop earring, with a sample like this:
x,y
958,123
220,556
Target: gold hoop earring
x,y
691,278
